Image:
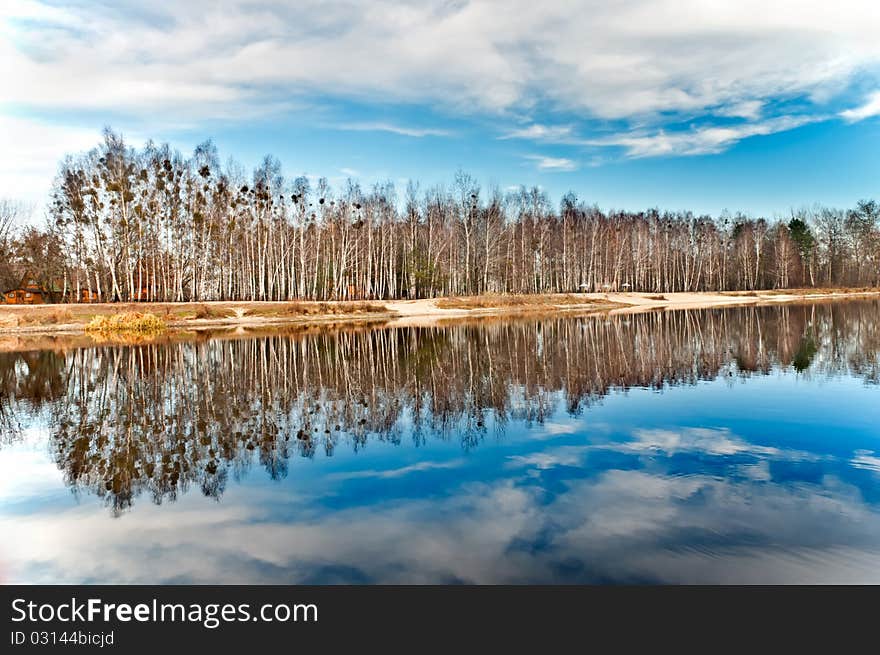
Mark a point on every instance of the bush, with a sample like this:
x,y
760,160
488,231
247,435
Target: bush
x,y
127,322
205,312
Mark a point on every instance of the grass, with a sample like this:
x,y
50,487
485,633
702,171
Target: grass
x,y
318,308
492,301
56,316
805,291
112,318
106,317
816,291
342,307
126,322
204,312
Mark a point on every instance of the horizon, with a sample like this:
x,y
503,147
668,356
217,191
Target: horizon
x,y
722,108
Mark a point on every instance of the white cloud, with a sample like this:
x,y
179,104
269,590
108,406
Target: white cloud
x,y
550,458
747,109
711,441
540,132
866,459
707,440
25,471
553,163
621,525
30,152
551,429
870,108
418,467
394,129
611,60
639,63
701,140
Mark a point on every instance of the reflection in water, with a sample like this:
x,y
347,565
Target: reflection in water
x,y
156,421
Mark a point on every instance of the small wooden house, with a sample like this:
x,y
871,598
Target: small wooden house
x,y
88,296
31,292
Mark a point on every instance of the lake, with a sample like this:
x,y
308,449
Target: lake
x,y
737,445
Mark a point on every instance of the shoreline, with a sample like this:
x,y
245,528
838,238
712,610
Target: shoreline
x,y
394,313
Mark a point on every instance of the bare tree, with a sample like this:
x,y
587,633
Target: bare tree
x,y
152,224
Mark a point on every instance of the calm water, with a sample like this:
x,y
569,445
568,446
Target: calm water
x,y
738,445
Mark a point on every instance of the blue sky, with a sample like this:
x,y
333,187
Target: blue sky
x,y
685,104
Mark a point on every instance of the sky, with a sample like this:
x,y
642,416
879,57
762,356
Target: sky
x,y
754,106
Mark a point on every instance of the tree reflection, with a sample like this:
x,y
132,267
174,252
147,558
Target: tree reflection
x,y
28,381
158,419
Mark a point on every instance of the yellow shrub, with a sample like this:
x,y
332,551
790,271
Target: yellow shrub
x,y
126,322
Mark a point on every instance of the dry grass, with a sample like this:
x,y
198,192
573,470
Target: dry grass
x,y
804,291
204,312
54,316
821,291
202,315
126,322
116,316
330,308
494,301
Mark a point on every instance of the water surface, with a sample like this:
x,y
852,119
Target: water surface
x,y
735,445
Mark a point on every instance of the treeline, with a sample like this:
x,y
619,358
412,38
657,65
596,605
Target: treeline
x,y
151,224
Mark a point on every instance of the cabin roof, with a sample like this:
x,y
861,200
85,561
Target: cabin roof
x,y
31,284
27,289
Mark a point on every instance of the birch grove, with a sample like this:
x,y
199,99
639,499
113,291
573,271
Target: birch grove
x,y
150,224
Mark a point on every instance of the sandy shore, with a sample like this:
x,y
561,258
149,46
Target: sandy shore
x,y
58,320
417,312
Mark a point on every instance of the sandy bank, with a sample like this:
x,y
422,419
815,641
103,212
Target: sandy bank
x,y
57,320
425,312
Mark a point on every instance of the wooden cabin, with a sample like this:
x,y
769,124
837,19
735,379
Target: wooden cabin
x,y
22,297
141,296
31,292
87,296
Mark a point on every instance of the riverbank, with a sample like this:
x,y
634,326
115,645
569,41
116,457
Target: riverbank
x,y
36,320
427,312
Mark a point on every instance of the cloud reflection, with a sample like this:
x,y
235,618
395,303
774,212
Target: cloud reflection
x,y
638,525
